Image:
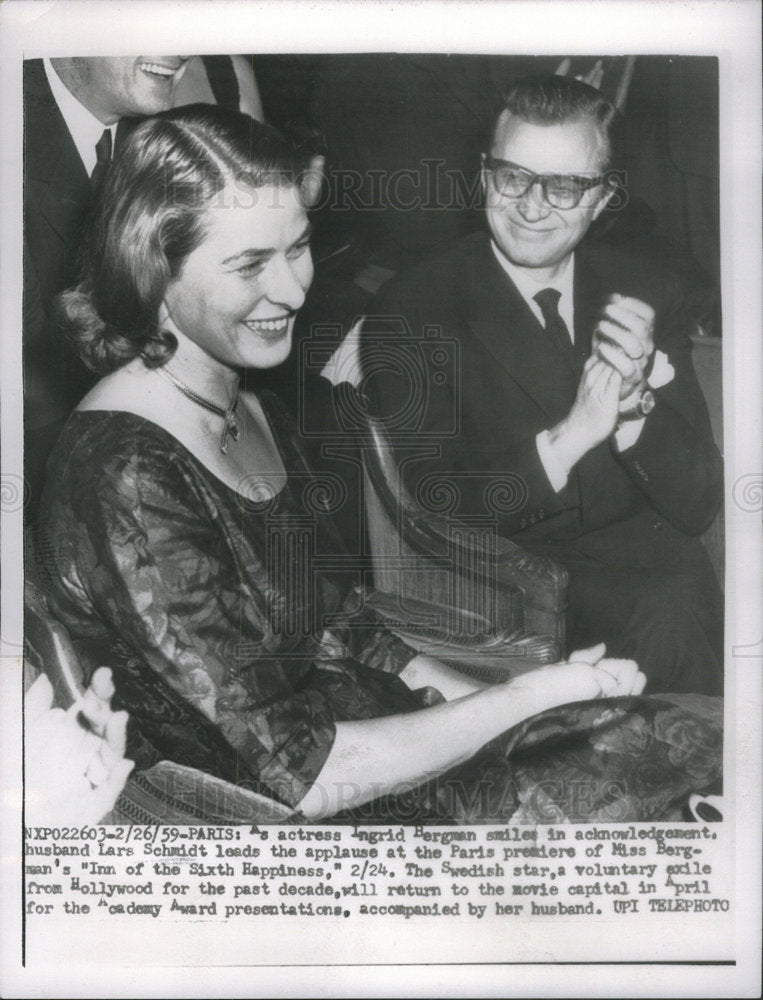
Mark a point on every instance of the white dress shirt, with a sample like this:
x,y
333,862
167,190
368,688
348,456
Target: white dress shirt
x,y
84,128
528,286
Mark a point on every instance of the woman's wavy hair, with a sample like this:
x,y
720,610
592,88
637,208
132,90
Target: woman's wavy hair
x,y
150,217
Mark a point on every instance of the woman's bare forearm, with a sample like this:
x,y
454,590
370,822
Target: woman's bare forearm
x,y
375,757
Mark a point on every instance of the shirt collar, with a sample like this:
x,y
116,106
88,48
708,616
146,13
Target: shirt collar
x,y
528,286
84,128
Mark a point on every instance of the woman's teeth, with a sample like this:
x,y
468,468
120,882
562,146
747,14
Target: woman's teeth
x,y
269,325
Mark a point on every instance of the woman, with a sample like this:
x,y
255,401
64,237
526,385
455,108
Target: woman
x,y
185,549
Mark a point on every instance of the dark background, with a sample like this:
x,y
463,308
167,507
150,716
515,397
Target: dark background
x,y
391,111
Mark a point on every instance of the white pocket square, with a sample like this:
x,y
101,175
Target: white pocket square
x,y
662,371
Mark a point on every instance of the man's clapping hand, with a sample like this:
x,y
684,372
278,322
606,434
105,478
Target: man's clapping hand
x,y
75,759
624,339
593,416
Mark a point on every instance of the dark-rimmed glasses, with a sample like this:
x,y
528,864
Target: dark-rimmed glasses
x,y
559,190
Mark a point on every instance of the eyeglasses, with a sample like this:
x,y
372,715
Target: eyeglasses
x,y
559,190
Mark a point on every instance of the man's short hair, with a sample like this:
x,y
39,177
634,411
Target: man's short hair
x,y
555,100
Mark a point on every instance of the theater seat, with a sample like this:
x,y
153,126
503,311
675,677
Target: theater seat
x,y
454,589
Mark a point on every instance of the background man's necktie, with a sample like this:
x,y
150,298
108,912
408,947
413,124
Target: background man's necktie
x,y
556,328
103,159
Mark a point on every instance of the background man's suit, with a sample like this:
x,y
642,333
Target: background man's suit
x,y
624,523
57,196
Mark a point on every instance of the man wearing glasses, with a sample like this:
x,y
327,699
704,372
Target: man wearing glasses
x,y
572,383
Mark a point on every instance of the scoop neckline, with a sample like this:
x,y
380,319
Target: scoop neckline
x,y
195,460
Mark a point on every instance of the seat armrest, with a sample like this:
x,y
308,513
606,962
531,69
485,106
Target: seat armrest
x,y
513,563
443,631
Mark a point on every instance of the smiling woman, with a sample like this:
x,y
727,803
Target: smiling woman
x,y
238,292
185,543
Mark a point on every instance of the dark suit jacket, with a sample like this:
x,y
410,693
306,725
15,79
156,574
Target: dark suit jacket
x,y
56,200
472,372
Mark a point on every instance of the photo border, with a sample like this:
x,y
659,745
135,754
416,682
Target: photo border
x,y
727,30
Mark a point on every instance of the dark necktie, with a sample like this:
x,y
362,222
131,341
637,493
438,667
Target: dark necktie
x,y
556,328
103,159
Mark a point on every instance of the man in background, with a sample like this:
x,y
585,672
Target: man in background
x,y
72,110
574,380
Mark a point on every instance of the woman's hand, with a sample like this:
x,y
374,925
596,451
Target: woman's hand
x,y
587,674
615,678
75,763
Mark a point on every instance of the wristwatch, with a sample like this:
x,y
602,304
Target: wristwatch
x,y
642,407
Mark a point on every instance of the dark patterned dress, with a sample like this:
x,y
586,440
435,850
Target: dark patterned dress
x,y
238,639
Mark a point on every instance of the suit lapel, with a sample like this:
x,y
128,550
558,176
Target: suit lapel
x,y
505,326
56,177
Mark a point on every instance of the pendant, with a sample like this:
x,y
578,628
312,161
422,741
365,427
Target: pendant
x,y
229,429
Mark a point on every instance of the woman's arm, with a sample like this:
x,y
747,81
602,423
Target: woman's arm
x,y
376,757
426,671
